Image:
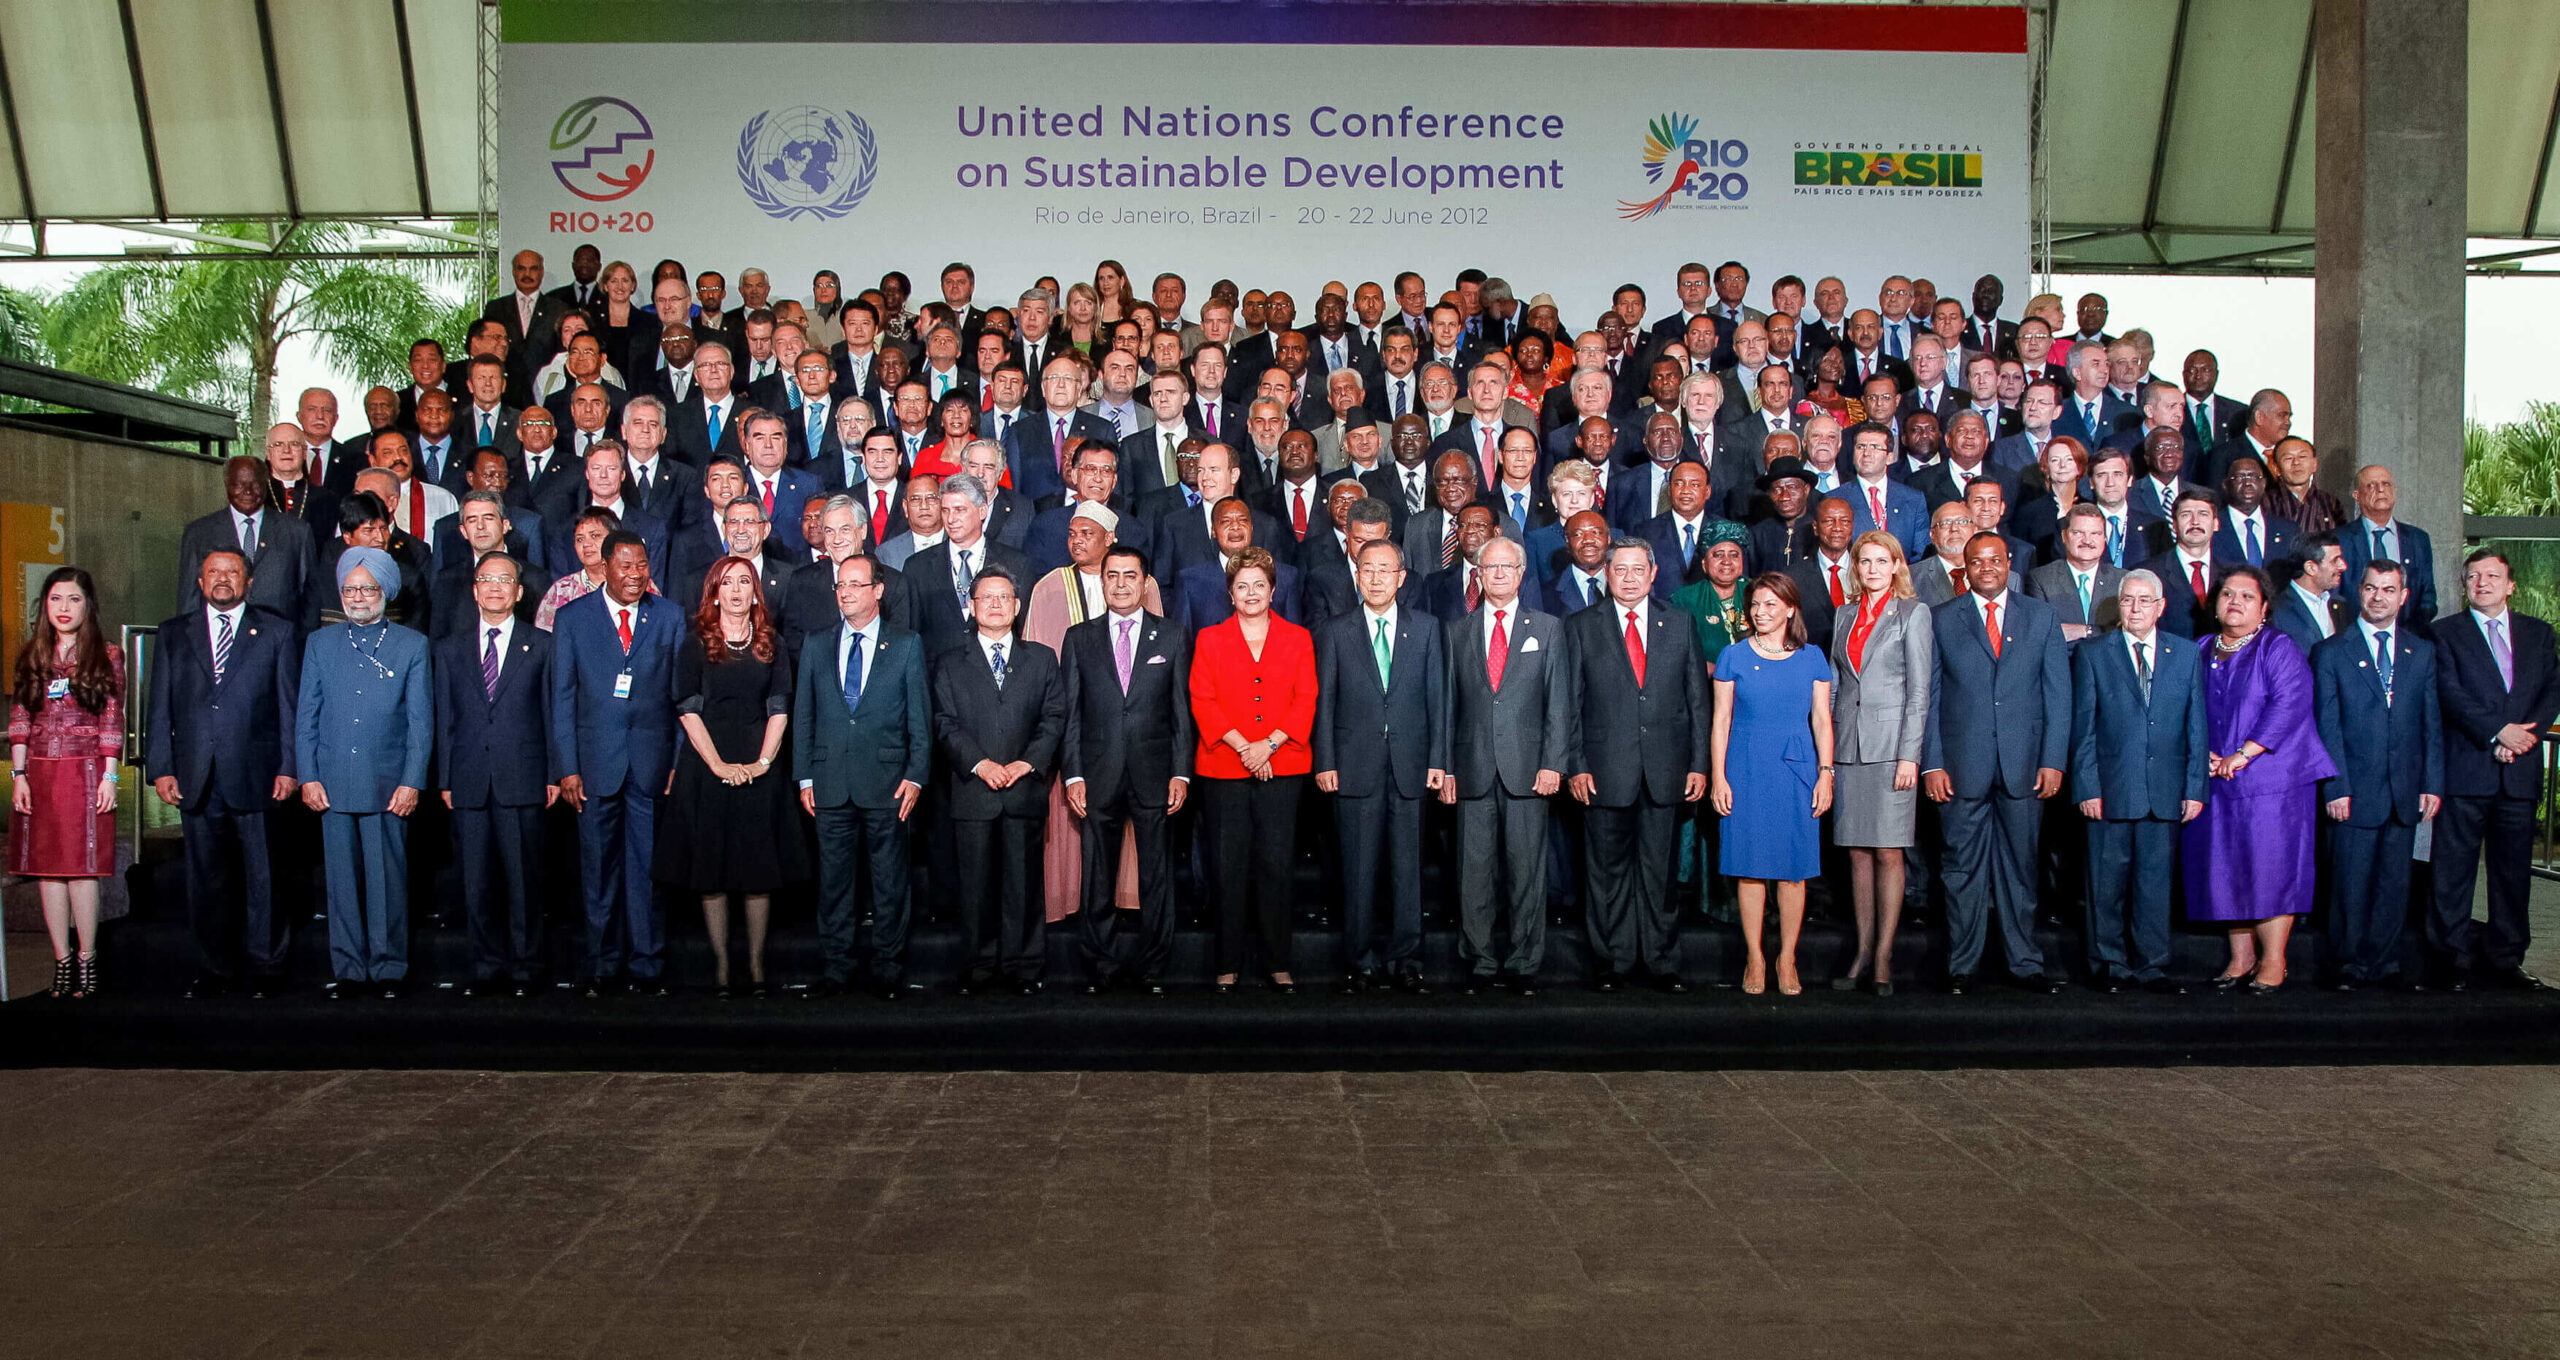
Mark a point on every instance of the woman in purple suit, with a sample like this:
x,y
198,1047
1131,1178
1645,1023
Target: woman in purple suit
x,y
2250,856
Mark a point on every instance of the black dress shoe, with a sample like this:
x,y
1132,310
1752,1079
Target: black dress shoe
x,y
1098,985
1223,988
2517,979
824,989
480,987
265,988
971,984
522,989
2256,988
2342,984
1605,980
1477,984
2036,984
2223,982
1520,984
1144,986
204,985
393,989
2162,986
337,991
1959,983
652,989
1279,988
1410,983
1355,982
2106,986
1670,984
1026,986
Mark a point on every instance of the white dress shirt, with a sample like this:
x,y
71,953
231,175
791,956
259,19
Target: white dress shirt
x,y
213,630
505,628
2317,606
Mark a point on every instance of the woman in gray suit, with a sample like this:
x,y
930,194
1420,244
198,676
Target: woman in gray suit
x,y
1883,658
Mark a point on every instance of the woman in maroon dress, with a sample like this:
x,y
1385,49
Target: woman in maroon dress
x,y
66,735
2251,854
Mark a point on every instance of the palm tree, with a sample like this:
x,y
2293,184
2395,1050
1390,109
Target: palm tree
x,y
211,329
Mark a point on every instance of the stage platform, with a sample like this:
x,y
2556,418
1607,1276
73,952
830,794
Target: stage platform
x,y
144,1022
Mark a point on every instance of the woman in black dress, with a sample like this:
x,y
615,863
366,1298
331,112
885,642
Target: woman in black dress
x,y
729,826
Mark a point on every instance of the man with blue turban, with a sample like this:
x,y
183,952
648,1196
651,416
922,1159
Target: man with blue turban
x,y
362,733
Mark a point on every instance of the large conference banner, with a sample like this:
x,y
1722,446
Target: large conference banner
x,y
1565,147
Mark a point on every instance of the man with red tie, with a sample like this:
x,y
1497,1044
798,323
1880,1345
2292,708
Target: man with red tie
x,y
1823,578
1511,729
1296,499
2186,569
1641,756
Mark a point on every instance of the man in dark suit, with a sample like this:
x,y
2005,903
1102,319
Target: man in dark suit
x,y
2091,410
862,743
493,700
2247,532
2496,678
710,405
663,488
1984,330
2306,610
939,577
1906,512
2080,585
2138,753
999,710
2186,570
224,681
520,312
486,419
1511,724
1032,448
2382,720
742,531
605,486
1999,733
1199,597
1865,354
1094,479
2209,417
2270,423
277,548
1381,745
482,526
1182,525
543,478
1641,758
613,724
1152,455
586,411
2375,533
1126,757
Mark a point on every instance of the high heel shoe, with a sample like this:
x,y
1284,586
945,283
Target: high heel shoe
x,y
1881,987
1755,979
1849,981
1788,983
88,978
66,979
2224,982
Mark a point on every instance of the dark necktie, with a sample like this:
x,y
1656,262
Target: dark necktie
x,y
2142,669
995,663
2382,664
489,665
221,645
853,675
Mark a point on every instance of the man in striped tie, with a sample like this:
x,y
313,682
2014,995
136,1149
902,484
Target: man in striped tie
x,y
493,732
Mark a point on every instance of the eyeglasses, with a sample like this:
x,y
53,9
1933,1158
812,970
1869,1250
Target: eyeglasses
x,y
493,580
360,590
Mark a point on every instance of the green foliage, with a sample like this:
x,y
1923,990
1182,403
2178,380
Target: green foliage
x,y
211,331
2513,469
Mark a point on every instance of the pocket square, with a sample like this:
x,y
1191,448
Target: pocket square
x,y
1529,646
1155,661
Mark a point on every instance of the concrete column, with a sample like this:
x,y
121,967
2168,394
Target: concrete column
x,y
2387,318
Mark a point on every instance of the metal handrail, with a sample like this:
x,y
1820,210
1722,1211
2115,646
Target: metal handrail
x,y
2546,835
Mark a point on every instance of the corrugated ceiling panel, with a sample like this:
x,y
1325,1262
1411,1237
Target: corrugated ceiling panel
x,y
343,103
209,106
2110,67
2515,57
2235,98
444,41
74,94
12,203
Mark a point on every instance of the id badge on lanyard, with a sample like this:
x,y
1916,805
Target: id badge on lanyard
x,y
622,685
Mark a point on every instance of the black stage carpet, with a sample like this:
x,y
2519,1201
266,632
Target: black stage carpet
x,y
142,1022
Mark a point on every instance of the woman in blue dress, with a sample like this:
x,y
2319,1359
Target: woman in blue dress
x,y
1773,726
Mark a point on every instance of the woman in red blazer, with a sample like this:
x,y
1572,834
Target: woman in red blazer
x,y
1253,690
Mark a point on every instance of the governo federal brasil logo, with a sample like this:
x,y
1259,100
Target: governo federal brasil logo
x,y
602,149
807,161
1693,169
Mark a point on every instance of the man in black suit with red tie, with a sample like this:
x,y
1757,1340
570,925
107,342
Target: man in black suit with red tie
x,y
1640,759
1126,756
2495,674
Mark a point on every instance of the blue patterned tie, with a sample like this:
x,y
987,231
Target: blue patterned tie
x,y
995,663
221,645
489,665
2382,664
853,675
2257,554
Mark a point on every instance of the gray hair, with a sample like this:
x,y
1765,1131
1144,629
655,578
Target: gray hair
x,y
1495,290
982,442
649,401
1352,373
1040,295
2141,576
709,345
962,484
476,497
839,501
1498,541
1398,549
758,506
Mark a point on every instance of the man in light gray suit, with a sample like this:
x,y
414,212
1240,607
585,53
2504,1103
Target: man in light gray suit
x,y
1512,728
2082,586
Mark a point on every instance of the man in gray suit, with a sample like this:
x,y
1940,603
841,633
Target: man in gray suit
x,y
2082,586
1512,732
862,740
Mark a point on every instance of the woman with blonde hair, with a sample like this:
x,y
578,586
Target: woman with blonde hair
x,y
1883,655
1080,322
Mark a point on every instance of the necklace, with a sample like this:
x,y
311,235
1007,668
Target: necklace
x,y
372,655
2223,647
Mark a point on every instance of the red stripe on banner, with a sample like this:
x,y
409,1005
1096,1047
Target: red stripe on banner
x,y
1795,27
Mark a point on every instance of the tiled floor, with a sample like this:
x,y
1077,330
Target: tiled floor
x,y
2220,1212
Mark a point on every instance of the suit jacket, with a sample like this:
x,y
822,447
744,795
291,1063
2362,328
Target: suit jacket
x,y
502,435
1994,722
2278,545
561,537
2417,570
809,600
1937,483
2140,758
1777,545
610,742
1906,514
449,590
934,597
2217,460
2187,616
689,428
773,576
1499,741
1880,711
1443,594
283,578
1181,535
793,489
1199,597
1883,363
2476,704
1326,589
973,721
2228,419
1673,567
1995,337
359,767
228,740
2114,413
1813,591
558,405
675,496
2294,619
494,749
2053,584
1031,454
858,757
1135,743
1381,738
2389,749
1935,585
1638,738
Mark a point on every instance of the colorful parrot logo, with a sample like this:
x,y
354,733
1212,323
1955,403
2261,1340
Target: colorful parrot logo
x,y
1663,141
